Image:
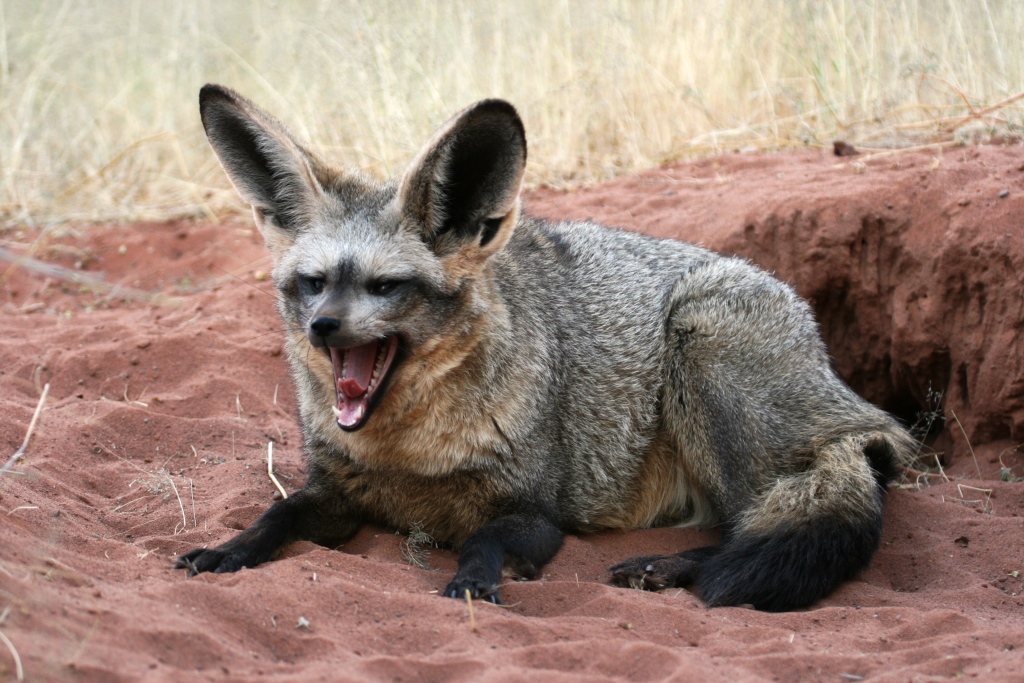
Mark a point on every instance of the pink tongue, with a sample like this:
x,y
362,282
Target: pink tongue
x,y
358,370
353,381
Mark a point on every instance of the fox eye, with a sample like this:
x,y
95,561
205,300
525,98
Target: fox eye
x,y
383,287
313,285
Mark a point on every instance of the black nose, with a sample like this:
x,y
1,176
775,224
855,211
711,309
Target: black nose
x,y
324,326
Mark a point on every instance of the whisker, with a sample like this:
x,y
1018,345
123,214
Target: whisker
x,y
261,334
286,328
243,280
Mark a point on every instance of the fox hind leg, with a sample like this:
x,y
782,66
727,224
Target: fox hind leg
x,y
654,572
791,460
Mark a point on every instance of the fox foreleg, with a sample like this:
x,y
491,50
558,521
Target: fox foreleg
x,y
302,516
524,542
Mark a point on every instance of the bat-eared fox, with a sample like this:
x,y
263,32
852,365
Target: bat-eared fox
x,y
498,381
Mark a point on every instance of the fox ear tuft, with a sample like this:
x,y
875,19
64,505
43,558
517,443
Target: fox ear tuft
x,y
463,188
267,165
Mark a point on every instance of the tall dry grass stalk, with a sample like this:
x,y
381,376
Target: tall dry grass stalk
x,y
98,100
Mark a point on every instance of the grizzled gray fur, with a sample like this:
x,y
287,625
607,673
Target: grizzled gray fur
x,y
500,381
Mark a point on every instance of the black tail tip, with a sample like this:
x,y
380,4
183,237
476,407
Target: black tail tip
x,y
883,459
790,569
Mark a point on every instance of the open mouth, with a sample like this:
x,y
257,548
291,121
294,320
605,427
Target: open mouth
x,y
359,373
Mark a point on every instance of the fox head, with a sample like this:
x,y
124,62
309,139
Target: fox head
x,y
374,276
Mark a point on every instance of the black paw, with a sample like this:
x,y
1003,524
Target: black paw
x,y
478,590
654,572
214,560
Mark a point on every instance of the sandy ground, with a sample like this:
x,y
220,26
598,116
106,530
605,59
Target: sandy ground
x,y
164,396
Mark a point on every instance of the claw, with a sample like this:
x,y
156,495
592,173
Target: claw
x,y
187,562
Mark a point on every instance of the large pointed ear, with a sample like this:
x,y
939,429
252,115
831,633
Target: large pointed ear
x,y
267,165
462,190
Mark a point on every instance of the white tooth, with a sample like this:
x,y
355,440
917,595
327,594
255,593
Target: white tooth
x,y
337,413
377,366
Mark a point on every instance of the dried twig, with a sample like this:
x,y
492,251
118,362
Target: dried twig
x,y
414,547
472,617
987,110
984,503
192,492
129,400
969,447
869,156
28,435
184,519
92,281
270,470
956,89
1006,473
919,476
19,672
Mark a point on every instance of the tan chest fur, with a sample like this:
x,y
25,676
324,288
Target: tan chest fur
x,y
434,420
449,509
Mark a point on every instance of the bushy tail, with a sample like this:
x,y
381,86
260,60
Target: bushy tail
x,y
809,532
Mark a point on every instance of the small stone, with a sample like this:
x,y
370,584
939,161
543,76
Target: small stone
x,y
1004,194
842,148
302,623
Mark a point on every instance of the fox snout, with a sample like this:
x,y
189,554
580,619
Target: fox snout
x,y
340,320
321,329
328,332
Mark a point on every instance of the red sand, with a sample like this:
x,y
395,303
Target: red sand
x,y
154,440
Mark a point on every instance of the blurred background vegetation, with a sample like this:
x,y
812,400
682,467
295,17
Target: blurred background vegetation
x,y
99,118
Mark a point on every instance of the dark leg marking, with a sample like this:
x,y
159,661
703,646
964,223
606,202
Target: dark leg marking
x,y
525,542
299,517
654,572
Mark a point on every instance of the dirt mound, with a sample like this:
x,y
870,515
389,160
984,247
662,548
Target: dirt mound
x,y
166,390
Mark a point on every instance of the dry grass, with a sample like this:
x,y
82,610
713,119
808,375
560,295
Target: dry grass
x,y
18,454
98,100
416,546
